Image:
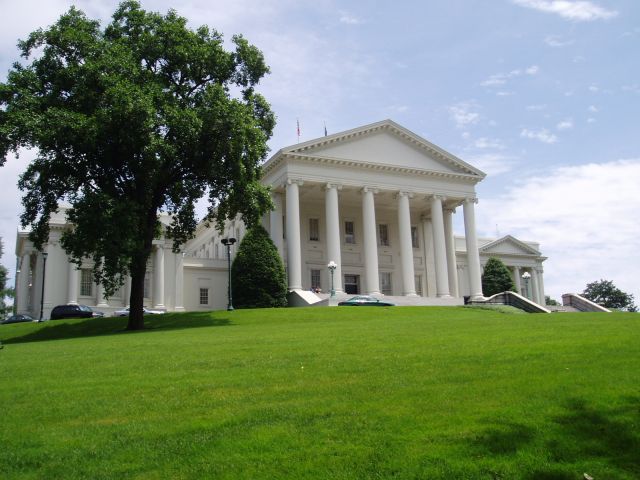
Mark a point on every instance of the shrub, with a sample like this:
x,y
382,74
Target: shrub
x,y
258,272
496,278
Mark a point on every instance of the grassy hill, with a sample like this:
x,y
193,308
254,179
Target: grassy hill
x,y
340,393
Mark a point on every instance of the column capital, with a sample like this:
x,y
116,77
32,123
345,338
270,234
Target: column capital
x,y
373,190
449,209
404,193
329,185
297,181
470,200
436,196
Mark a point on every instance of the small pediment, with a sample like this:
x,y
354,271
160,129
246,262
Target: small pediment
x,y
384,143
508,245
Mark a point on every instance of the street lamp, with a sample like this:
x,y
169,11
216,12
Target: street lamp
x,y
526,276
332,268
227,242
44,272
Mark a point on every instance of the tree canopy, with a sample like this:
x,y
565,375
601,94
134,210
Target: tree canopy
x,y
496,278
145,115
258,274
605,293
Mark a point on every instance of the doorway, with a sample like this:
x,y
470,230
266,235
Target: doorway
x,y
352,284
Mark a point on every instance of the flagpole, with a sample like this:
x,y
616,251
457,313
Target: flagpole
x,y
298,128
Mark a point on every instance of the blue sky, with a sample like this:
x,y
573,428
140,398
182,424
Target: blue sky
x,y
543,95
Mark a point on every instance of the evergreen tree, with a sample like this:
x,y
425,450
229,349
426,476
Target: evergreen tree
x,y
258,272
496,278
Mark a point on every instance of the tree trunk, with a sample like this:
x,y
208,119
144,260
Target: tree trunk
x,y
136,301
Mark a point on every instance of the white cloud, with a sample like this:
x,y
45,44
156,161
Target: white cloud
x,y
578,59
464,114
557,41
502,78
536,108
593,108
349,19
504,94
591,120
543,135
585,218
593,88
484,142
635,88
578,10
491,163
565,124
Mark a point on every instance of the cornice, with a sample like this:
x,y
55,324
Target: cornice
x,y
304,150
374,166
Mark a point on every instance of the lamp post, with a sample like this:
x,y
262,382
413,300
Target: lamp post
x,y
44,271
227,242
332,268
526,276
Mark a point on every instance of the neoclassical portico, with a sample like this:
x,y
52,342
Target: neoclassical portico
x,y
370,191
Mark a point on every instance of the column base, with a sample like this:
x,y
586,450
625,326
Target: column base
x,y
159,307
410,294
443,295
179,309
102,305
477,298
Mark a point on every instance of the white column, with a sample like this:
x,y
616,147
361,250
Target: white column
x,y
102,300
450,247
23,291
439,246
541,287
429,259
179,306
535,293
72,289
127,291
406,248
473,256
275,223
516,278
372,279
158,277
294,253
333,233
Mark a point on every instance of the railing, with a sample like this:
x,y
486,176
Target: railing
x,y
580,303
515,300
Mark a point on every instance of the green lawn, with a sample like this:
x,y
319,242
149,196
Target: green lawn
x,y
357,393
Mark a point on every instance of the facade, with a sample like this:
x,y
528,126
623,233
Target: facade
x,y
377,200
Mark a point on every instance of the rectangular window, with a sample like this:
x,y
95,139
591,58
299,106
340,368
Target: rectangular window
x,y
349,232
383,235
419,285
147,286
414,237
86,282
385,283
204,296
315,280
314,229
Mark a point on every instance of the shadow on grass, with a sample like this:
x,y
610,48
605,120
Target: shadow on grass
x,y
504,438
608,435
64,329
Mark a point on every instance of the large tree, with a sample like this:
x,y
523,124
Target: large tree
x,y
496,278
605,293
145,115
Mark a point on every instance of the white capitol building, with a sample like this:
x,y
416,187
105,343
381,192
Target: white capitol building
x,y
377,200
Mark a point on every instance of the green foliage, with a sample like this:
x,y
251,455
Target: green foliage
x,y
130,120
317,393
550,301
258,273
605,293
496,278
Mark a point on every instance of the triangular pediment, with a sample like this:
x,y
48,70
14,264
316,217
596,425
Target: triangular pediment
x,y
508,245
384,143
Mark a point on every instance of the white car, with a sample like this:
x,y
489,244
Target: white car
x,y
146,311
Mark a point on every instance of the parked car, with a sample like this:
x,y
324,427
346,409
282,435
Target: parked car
x,y
19,318
147,311
365,300
74,311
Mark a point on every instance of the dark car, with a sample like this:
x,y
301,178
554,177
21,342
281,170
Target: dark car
x,y
73,311
19,318
365,301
